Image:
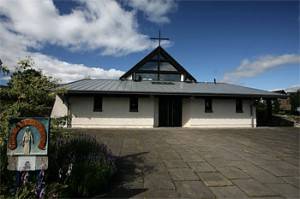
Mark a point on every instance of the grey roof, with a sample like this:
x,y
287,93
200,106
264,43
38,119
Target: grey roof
x,y
106,86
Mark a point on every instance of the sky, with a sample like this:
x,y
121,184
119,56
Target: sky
x,y
250,43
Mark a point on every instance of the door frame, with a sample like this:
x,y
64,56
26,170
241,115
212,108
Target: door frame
x,y
173,106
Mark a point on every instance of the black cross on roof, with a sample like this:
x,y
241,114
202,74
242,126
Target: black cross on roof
x,y
159,38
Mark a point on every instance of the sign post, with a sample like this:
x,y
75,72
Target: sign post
x,y
27,149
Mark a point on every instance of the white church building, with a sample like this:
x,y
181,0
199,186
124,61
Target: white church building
x,y
157,92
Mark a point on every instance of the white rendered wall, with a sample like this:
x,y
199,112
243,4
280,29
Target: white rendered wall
x,y
115,113
59,108
223,115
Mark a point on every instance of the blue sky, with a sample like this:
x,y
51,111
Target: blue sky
x,y
251,43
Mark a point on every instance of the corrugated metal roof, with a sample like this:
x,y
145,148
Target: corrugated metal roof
x,y
175,88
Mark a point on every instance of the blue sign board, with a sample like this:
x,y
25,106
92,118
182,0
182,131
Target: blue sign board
x,y
28,137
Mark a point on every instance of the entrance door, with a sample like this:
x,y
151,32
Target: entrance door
x,y
170,110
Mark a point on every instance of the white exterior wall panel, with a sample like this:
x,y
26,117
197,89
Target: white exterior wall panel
x,y
115,113
59,108
223,115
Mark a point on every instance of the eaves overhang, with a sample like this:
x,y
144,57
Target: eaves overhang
x,y
187,94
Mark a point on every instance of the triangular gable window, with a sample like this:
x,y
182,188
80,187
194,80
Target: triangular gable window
x,y
158,66
149,66
157,61
167,66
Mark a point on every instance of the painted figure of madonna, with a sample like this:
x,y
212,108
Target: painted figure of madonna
x,y
27,141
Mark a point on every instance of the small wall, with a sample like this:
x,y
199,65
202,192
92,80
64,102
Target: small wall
x,y
115,113
223,115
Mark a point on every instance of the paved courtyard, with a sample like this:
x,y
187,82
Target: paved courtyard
x,y
205,163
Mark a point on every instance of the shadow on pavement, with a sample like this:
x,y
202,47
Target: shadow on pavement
x,y
129,180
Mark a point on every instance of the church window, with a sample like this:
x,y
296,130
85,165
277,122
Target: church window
x,y
98,103
208,105
239,105
133,104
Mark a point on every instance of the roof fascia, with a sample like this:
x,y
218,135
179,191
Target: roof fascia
x,y
272,96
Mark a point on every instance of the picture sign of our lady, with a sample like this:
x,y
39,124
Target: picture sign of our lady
x,y
28,137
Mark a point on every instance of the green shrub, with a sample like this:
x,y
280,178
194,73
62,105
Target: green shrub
x,y
6,177
81,163
79,166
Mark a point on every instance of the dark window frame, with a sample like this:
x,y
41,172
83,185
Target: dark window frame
x,y
133,104
138,75
239,105
208,105
98,103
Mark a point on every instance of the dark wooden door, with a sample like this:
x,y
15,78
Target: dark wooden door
x,y
170,111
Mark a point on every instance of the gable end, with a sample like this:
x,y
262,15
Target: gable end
x,y
166,68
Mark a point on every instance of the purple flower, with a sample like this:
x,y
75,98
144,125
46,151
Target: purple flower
x,y
60,173
69,169
40,186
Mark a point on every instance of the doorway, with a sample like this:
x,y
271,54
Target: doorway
x,y
170,111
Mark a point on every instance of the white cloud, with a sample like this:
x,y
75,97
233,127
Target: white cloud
x,y
101,25
14,46
155,10
71,72
252,68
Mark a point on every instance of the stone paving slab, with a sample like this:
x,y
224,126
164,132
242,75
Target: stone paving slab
x,y
233,173
293,181
201,167
183,174
193,189
214,179
161,194
292,160
260,174
285,190
254,188
169,155
189,157
175,162
220,162
280,168
159,181
232,192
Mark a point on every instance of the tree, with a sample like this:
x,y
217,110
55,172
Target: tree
x,y
3,69
295,101
276,106
28,93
